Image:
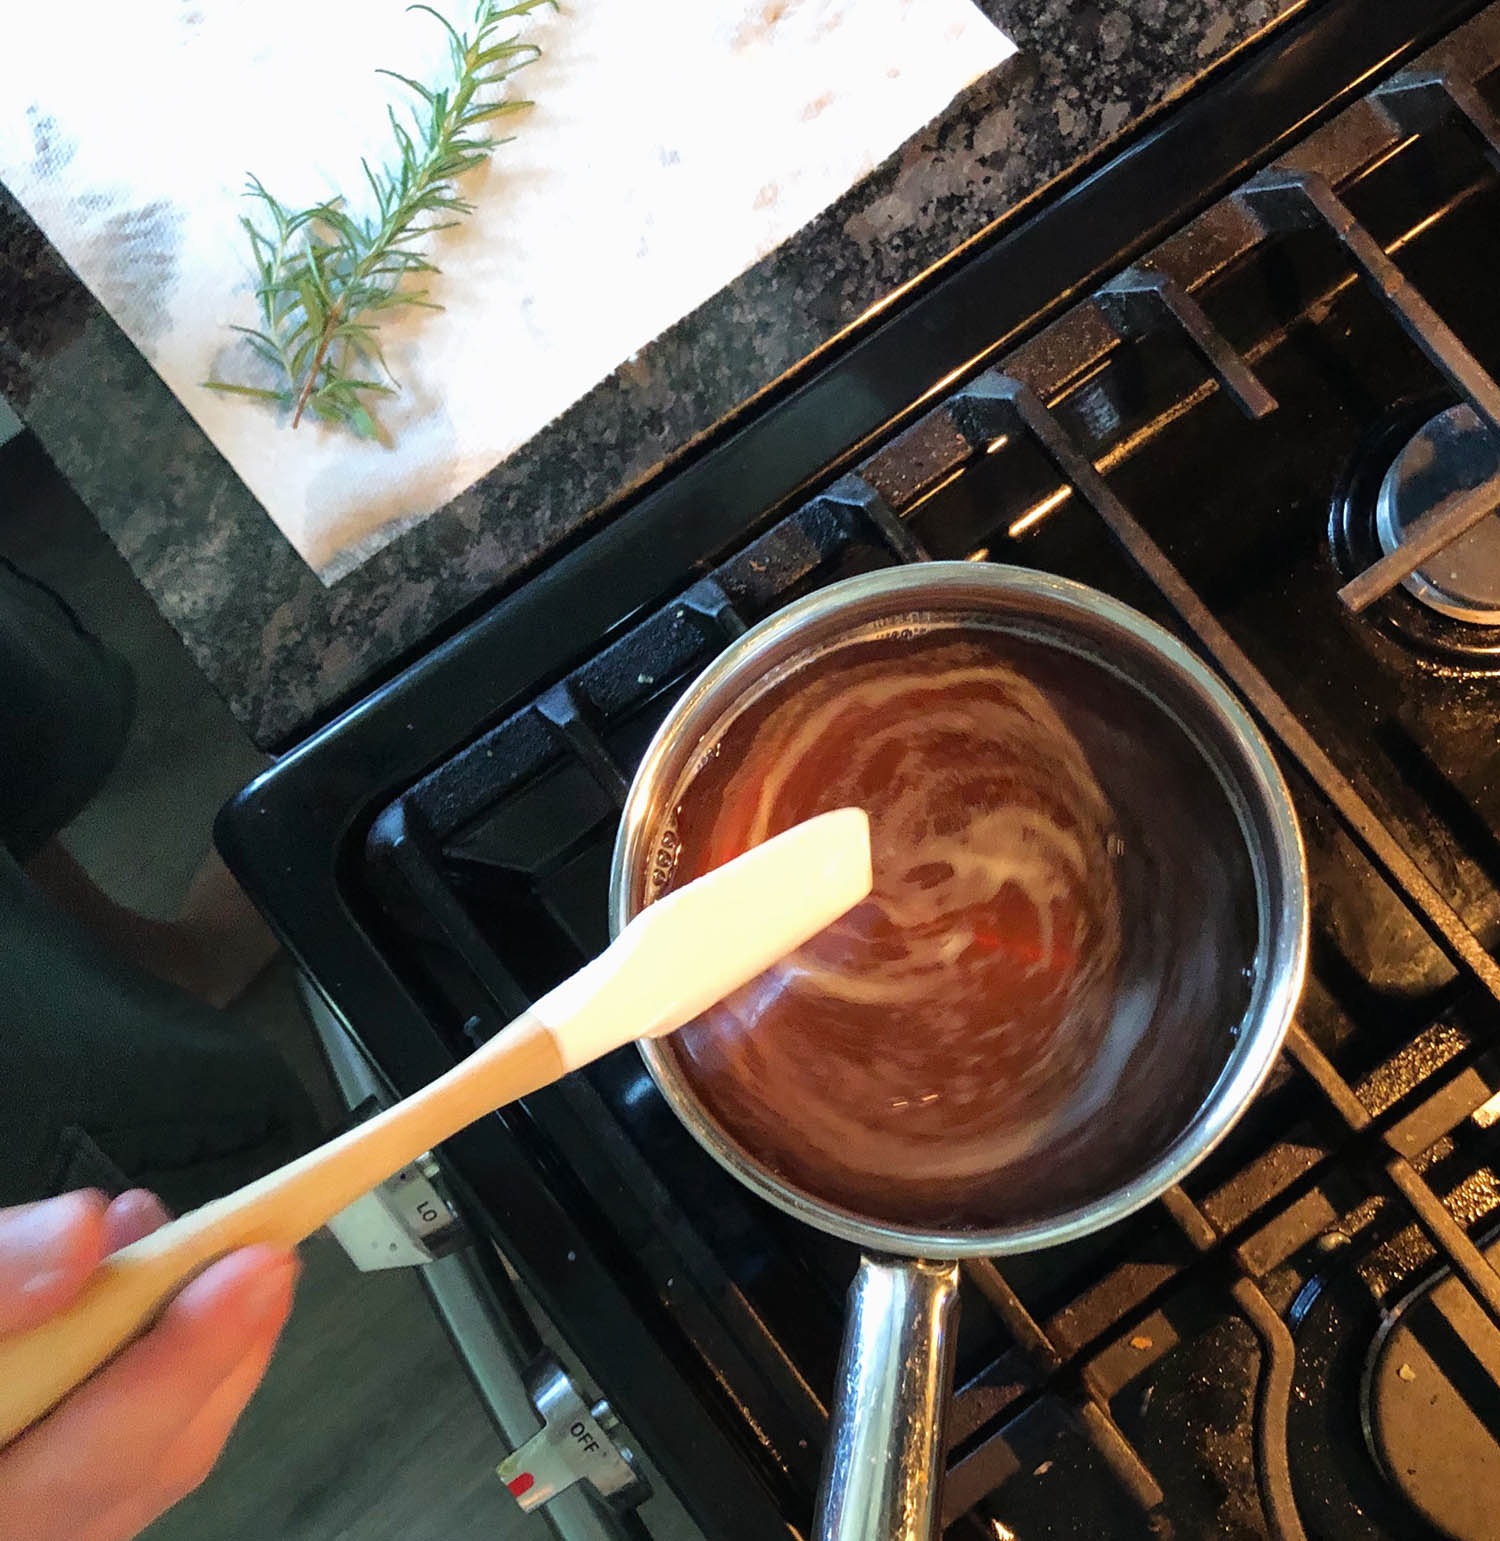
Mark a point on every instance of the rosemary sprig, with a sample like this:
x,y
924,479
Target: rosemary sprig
x,y
326,276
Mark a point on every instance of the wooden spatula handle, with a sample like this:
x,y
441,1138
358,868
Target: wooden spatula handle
x,y
39,1368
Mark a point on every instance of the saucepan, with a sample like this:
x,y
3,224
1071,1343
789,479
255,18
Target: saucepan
x,y
1212,947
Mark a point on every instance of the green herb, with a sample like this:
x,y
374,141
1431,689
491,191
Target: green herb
x,y
325,276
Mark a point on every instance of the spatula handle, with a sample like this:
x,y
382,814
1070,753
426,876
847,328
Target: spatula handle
x,y
39,1368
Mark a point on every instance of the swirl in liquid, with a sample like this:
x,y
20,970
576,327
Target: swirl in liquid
x,y
962,1016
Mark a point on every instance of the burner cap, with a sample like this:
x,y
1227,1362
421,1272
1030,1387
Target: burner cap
x,y
1432,1397
1451,453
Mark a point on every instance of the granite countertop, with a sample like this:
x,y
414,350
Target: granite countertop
x,y
283,649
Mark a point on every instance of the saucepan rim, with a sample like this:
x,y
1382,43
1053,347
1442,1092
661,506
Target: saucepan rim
x,y
1257,791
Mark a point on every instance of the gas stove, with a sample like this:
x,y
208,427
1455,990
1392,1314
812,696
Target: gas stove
x,y
1237,378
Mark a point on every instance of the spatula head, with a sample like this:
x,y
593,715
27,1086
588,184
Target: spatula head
x,y
721,930
706,939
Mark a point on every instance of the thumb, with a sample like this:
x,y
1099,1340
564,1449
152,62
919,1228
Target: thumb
x,y
47,1251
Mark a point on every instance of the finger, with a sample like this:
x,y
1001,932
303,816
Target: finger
x,y
131,1216
190,1458
231,1308
113,1437
47,1250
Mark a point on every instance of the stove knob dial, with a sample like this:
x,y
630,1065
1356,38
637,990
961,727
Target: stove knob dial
x,y
577,1442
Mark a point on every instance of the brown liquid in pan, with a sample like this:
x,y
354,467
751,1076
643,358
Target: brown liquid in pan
x,y
948,1051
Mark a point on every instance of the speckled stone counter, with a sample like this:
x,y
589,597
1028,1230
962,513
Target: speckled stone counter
x,y
284,650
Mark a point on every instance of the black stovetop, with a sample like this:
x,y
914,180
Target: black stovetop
x,y
1260,1353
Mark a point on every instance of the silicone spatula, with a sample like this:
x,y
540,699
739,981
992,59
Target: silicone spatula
x,y
673,961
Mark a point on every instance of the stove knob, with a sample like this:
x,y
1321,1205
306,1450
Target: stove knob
x,y
577,1443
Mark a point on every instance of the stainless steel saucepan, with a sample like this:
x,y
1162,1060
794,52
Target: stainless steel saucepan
x,y
1214,1028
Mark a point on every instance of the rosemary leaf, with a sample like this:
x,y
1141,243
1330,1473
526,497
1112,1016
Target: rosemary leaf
x,y
247,390
323,274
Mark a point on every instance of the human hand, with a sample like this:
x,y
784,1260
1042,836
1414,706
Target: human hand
x,y
147,1428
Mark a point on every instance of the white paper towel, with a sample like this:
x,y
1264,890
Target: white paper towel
x,y
671,145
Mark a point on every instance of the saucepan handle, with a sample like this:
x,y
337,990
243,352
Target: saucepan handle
x,y
882,1478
